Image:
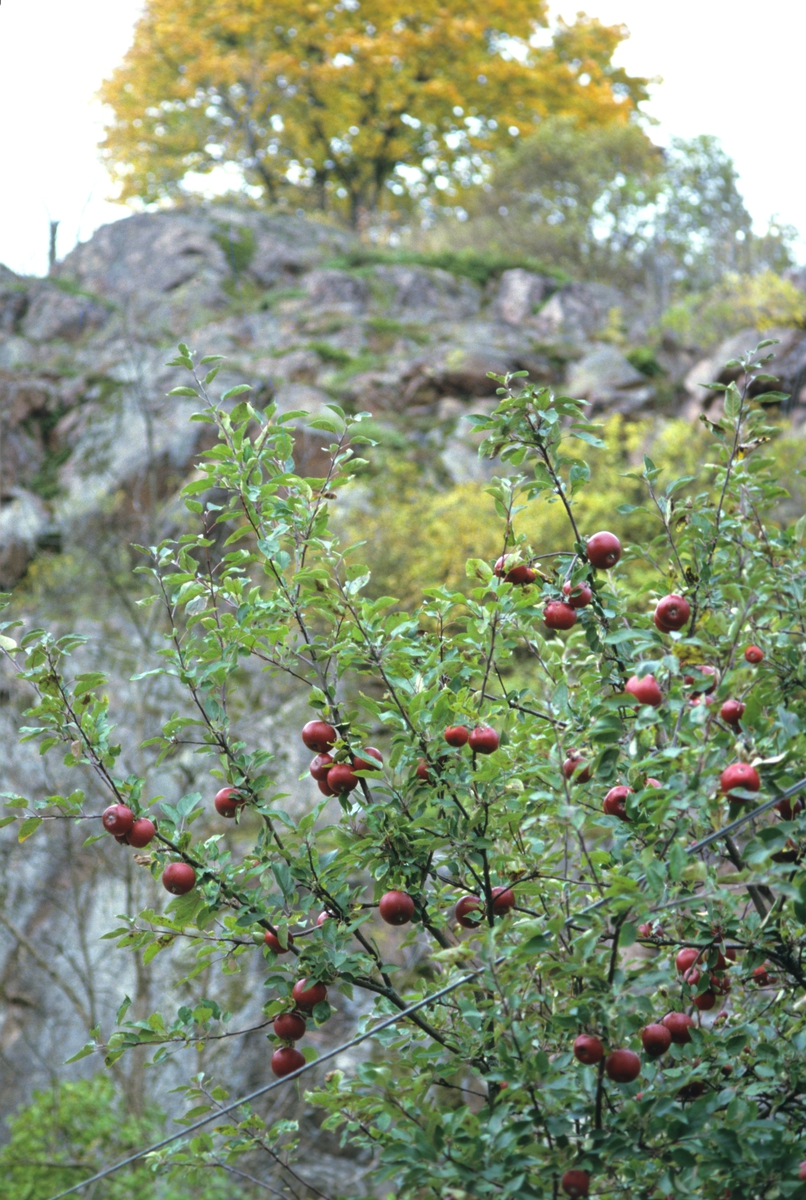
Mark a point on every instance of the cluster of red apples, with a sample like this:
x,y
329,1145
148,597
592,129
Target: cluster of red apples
x,y
178,878
289,1027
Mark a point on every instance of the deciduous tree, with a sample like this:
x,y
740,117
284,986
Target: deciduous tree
x,y
348,100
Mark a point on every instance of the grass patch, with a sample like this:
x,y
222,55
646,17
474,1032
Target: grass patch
x,y
276,296
331,354
643,359
238,244
468,264
386,327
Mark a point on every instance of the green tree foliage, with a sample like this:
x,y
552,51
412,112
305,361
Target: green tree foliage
x,y
701,229
763,301
72,1130
480,1092
574,197
352,105
605,203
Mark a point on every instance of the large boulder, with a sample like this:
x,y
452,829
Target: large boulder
x,y
520,295
338,291
606,379
57,314
788,363
424,294
577,313
24,522
13,300
287,246
148,253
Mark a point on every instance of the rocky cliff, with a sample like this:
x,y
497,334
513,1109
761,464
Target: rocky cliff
x,y
86,430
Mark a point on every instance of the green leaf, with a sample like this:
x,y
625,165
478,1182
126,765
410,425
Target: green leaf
x,y
28,827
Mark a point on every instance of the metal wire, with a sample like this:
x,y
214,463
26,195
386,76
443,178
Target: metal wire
x,y
726,831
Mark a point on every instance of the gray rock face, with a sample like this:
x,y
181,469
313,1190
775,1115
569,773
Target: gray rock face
x,y
577,313
605,378
145,253
56,314
337,290
426,294
520,294
24,520
13,300
789,366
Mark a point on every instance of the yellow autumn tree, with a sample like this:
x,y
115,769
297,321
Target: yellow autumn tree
x,y
357,101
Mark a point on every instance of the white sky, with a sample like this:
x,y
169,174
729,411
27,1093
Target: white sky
x,y
731,69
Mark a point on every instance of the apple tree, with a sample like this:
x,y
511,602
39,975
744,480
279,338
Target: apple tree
x,y
583,814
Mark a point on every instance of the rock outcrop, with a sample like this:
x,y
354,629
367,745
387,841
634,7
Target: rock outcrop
x,y
85,423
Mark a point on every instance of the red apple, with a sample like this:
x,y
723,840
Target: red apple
x,y
604,550
588,1049
483,740
761,976
653,783
140,834
324,787
672,612
705,1001
286,1061
228,801
323,916
117,819
754,654
517,573
340,778
320,766
361,764
731,712
786,808
740,775
614,802
274,943
178,878
656,1039
466,906
503,900
559,615
421,771
686,958
678,1025
691,1091
645,690
457,735
396,908
575,1182
802,1171
319,736
307,995
577,596
649,930
289,1026
622,1066
574,768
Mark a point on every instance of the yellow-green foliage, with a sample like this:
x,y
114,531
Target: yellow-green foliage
x,y
417,537
763,301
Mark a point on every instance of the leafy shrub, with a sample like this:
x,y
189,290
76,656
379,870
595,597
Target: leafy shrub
x,y
72,1130
763,302
583,899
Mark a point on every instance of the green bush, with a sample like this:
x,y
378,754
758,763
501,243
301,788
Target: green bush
x,y
71,1131
601,812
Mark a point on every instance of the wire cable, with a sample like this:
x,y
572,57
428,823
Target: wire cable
x,y
726,831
